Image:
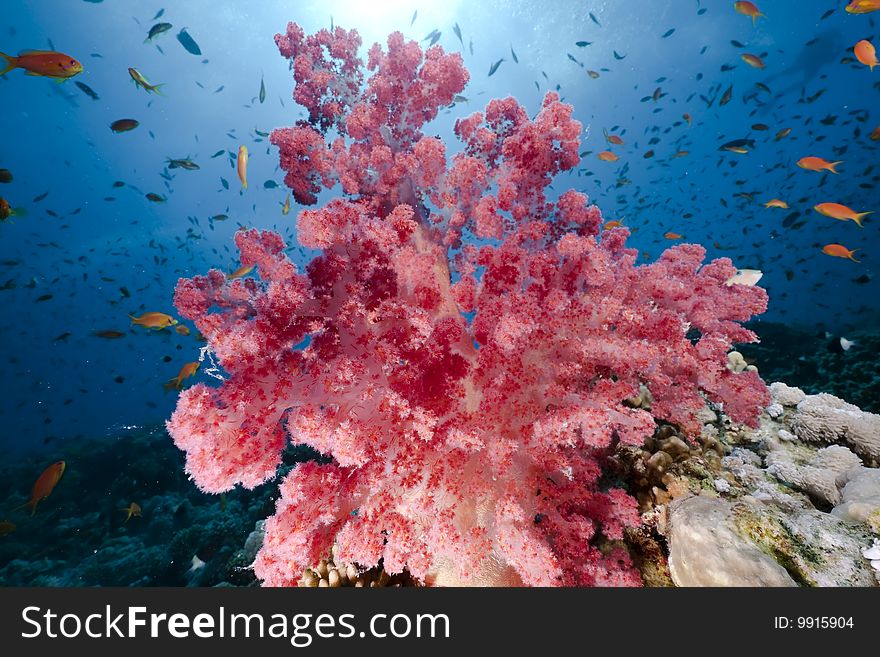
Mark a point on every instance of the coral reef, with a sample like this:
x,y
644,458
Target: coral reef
x,y
79,536
466,393
792,509
825,418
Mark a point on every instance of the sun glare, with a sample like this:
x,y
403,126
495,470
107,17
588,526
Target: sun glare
x,y
376,19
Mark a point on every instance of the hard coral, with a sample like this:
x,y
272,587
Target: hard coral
x,y
824,418
466,395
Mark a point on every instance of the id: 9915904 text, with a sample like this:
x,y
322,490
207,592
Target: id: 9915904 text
x,y
813,622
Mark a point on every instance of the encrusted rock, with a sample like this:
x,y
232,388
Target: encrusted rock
x,y
816,548
762,515
707,416
714,542
254,541
704,550
860,496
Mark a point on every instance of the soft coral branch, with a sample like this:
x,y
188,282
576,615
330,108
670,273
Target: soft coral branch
x,y
466,422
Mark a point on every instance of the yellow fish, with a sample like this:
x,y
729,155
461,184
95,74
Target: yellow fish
x,y
153,320
141,81
244,270
286,207
241,165
753,61
132,510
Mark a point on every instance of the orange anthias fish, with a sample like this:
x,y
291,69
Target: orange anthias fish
x,y
286,207
48,63
153,320
776,203
753,60
608,156
687,117
748,9
839,251
818,164
244,270
612,224
838,211
672,236
875,134
182,330
241,165
132,510
862,6
866,54
6,528
614,139
186,372
44,485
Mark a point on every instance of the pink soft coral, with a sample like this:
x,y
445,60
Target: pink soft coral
x,y
466,402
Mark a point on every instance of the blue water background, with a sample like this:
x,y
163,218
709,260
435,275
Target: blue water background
x,y
55,139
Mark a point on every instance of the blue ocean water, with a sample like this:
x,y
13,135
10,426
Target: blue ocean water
x,y
631,69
